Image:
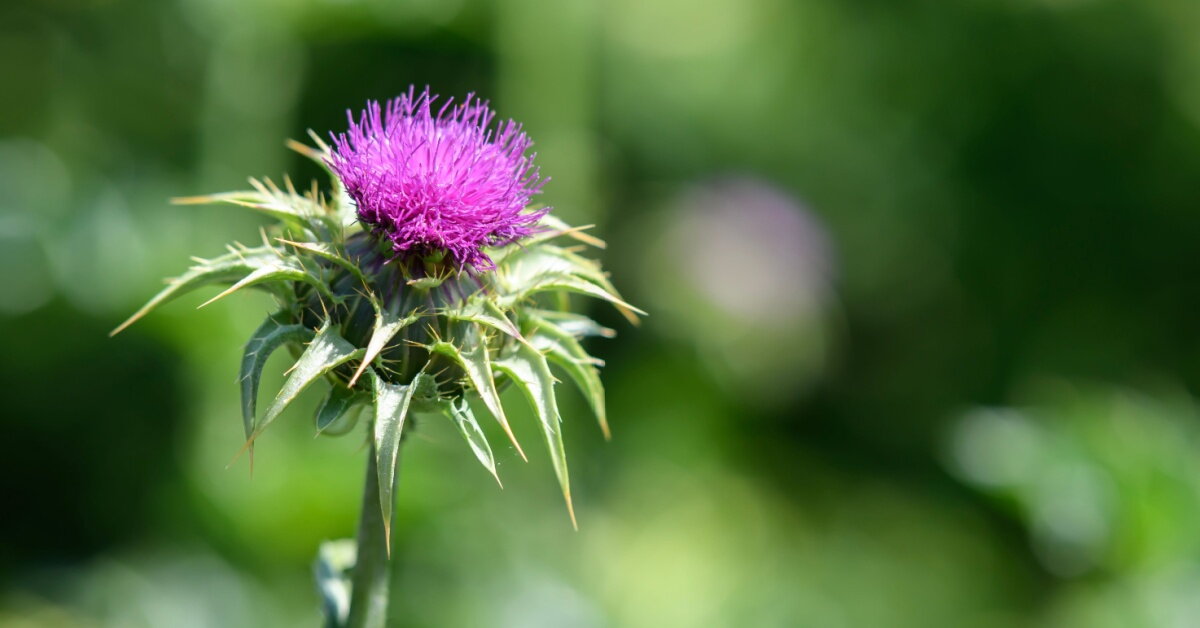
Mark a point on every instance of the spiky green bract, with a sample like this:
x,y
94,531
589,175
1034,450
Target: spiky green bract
x,y
406,336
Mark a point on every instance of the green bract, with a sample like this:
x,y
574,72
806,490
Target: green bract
x,y
405,336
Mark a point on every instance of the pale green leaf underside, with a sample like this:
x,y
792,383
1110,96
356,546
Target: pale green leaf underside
x,y
272,271
564,350
471,353
392,402
528,370
271,335
460,413
577,325
571,283
343,205
482,310
306,212
295,211
331,253
327,351
228,268
551,269
551,228
387,325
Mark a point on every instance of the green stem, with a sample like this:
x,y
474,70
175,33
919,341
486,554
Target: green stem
x,y
369,590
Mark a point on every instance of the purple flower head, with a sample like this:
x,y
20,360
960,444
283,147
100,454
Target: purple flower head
x,y
439,180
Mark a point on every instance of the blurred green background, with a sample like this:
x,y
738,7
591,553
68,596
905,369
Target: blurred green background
x,y
923,346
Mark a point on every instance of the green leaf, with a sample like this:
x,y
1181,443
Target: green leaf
x,y
326,352
564,350
428,283
532,263
460,412
473,356
343,206
552,228
571,283
387,325
547,268
334,564
529,372
318,155
285,205
224,269
338,413
482,310
331,253
288,206
591,271
392,402
279,269
580,266
577,325
273,333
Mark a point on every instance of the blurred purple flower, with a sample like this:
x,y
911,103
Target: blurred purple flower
x,y
439,180
777,260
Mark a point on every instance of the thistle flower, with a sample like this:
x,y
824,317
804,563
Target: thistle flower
x,y
418,281
432,182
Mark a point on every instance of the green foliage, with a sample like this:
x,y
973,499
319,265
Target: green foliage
x,y
392,402
460,413
338,413
272,334
471,354
326,352
528,370
232,267
564,349
430,336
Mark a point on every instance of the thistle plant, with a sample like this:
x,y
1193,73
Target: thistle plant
x,y
421,279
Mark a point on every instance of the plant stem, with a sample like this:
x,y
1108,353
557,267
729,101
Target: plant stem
x,y
369,589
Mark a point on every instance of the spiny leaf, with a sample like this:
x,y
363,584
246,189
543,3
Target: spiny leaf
x,y
571,283
430,282
317,155
339,411
278,269
551,228
282,203
241,196
327,351
590,270
392,402
529,372
548,268
471,353
577,325
579,265
289,207
559,228
342,206
460,412
531,263
564,350
387,325
227,268
273,333
329,252
483,311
